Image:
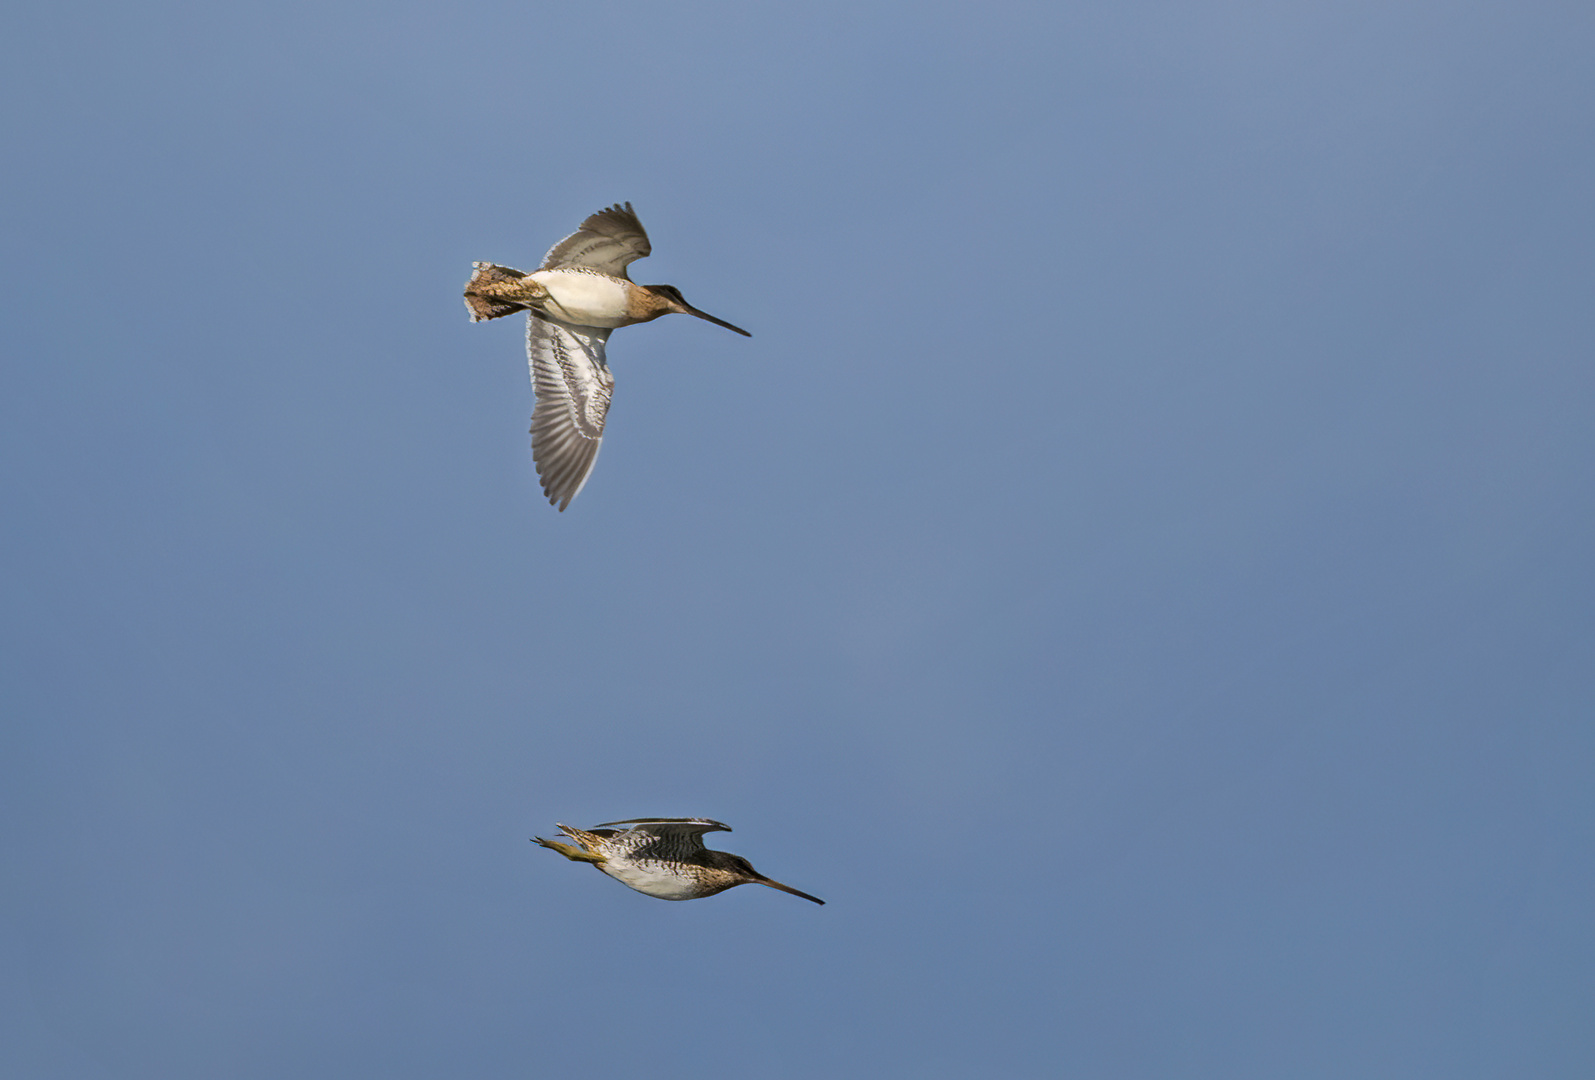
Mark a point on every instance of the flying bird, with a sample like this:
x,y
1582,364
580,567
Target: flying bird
x,y
573,300
663,857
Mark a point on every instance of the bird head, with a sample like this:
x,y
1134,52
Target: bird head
x,y
745,874
675,302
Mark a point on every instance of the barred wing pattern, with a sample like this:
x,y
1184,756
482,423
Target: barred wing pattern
x,y
672,826
573,387
670,839
608,241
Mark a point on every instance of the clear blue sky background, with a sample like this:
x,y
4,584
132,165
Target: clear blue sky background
x,y
1139,572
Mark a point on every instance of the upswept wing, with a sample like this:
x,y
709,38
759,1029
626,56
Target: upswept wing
x,y
609,241
573,386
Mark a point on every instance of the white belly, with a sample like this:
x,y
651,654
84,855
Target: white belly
x,y
664,886
585,299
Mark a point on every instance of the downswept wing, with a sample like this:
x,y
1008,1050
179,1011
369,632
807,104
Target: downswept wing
x,y
573,387
608,241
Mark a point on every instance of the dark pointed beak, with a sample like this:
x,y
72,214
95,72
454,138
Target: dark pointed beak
x,y
718,322
777,884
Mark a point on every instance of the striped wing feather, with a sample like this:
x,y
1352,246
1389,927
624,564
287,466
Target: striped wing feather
x,y
609,241
680,827
573,387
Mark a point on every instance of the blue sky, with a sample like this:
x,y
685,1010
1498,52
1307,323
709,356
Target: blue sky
x,y
1138,572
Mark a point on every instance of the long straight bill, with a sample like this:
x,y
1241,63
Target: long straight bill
x,y
718,322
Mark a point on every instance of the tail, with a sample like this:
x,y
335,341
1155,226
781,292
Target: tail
x,y
588,852
479,298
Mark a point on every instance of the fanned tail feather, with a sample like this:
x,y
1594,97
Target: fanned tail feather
x,y
478,299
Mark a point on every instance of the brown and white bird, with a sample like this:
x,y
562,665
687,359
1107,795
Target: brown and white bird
x,y
663,857
573,300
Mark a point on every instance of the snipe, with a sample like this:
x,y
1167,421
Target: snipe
x,y
573,300
663,857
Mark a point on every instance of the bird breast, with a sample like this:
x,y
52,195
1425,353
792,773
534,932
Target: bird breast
x,y
585,298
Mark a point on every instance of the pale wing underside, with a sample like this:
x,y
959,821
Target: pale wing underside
x,y
609,241
573,387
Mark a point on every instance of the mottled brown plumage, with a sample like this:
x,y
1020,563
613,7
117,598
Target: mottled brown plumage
x,y
663,857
